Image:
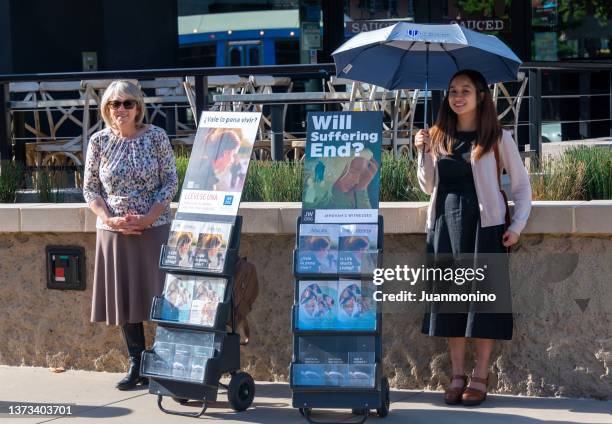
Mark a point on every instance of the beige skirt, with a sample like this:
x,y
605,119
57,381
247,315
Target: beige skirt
x,y
127,275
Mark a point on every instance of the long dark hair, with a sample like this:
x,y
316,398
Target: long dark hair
x,y
488,128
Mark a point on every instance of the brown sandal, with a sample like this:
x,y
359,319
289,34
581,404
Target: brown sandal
x,y
452,395
472,396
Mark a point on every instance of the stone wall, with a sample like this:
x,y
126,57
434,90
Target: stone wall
x,y
561,284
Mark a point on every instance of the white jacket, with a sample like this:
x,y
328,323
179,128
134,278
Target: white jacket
x,y
490,200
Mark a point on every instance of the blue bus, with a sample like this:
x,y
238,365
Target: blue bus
x,y
268,37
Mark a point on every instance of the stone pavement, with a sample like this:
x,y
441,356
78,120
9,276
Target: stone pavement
x,y
94,398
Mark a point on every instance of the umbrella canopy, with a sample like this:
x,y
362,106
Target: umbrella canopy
x,y
408,55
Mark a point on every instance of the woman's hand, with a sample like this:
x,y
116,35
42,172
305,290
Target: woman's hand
x,y
122,225
115,222
422,139
139,222
510,238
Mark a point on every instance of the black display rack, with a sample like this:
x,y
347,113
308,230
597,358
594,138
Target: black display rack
x,y
362,397
221,343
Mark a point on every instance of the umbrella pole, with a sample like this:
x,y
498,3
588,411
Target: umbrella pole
x,y
426,81
426,94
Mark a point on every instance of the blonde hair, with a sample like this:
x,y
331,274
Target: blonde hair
x,y
125,89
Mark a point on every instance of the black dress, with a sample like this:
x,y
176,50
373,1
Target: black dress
x,y
457,240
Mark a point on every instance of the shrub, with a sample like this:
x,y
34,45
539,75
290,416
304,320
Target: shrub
x,y
558,179
274,181
597,163
11,178
182,160
398,180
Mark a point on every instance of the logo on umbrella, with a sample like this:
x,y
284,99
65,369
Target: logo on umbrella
x,y
413,32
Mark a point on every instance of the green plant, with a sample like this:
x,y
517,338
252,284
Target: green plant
x,y
11,178
44,186
182,160
597,162
398,180
557,179
581,173
272,181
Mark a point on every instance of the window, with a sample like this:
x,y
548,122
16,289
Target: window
x,y
287,52
200,55
564,29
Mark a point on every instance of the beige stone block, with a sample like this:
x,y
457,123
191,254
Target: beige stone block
x,y
594,217
550,217
53,218
9,218
404,217
289,214
90,221
259,217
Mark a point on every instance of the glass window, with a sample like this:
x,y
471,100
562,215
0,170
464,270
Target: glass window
x,y
235,58
253,55
201,55
287,52
491,17
368,15
378,9
564,29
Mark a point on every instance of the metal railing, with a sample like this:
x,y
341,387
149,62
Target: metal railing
x,y
13,134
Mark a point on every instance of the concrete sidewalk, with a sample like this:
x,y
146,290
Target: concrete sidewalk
x,y
94,397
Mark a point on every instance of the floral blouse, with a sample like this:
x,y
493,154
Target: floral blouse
x,y
131,174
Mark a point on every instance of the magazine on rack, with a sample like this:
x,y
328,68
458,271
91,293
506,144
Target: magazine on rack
x,y
318,249
357,248
356,307
211,246
317,304
207,294
192,300
195,244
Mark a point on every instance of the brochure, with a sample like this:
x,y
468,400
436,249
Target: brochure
x,y
192,300
211,246
318,248
356,308
207,294
181,242
357,248
317,304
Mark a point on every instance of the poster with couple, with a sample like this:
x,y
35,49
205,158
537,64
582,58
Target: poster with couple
x,y
218,166
342,167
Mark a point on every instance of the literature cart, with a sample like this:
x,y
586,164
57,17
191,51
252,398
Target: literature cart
x,y
193,346
337,326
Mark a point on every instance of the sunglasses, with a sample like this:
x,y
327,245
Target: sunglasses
x,y
127,104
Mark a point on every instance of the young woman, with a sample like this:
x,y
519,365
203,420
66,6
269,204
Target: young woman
x,y
459,167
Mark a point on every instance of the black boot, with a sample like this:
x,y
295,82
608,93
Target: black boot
x,y
135,341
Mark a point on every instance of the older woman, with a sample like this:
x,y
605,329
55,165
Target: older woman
x,y
130,180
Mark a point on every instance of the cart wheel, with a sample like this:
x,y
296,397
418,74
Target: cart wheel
x,y
182,401
305,411
383,411
241,391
